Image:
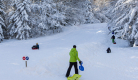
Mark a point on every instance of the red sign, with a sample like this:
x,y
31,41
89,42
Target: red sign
x,y
24,58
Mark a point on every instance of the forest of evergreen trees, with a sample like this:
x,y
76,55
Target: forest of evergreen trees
x,y
23,19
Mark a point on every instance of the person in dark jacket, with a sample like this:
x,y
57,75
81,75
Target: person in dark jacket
x,y
113,39
73,60
35,46
108,50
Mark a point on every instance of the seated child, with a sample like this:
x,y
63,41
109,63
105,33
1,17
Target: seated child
x,y
35,46
108,50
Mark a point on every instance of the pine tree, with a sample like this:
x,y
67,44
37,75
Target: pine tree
x,y
102,9
19,27
35,20
46,18
81,12
88,13
125,20
2,22
52,16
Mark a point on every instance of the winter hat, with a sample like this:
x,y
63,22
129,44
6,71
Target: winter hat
x,y
74,46
36,43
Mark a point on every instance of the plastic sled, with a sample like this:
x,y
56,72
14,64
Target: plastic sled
x,y
74,77
114,43
81,67
34,48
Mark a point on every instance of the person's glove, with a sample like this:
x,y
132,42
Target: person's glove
x,y
80,62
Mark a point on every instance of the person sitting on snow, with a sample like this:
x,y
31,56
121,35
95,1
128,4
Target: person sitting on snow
x,y
113,39
35,46
108,50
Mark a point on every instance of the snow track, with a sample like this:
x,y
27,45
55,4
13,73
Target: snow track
x,y
52,60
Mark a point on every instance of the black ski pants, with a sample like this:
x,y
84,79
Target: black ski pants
x,y
70,66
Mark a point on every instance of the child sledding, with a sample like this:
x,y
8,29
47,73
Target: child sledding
x,y
35,46
113,39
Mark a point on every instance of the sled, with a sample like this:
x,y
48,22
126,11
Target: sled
x,y
81,67
74,77
114,42
34,48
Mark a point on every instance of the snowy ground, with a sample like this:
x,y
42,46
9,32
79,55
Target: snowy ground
x,y
52,60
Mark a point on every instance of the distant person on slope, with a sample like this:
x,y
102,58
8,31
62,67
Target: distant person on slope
x,y
108,50
35,46
73,60
113,39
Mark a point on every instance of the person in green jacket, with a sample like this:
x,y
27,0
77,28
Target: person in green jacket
x,y
73,60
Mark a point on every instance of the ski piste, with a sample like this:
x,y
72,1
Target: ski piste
x,y
50,62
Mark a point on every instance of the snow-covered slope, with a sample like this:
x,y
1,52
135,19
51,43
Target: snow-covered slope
x,y
52,60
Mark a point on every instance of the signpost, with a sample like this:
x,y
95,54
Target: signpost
x,y
25,58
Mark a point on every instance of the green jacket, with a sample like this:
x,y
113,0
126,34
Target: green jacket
x,y
74,55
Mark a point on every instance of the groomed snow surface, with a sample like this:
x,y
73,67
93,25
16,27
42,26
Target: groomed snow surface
x,y
51,61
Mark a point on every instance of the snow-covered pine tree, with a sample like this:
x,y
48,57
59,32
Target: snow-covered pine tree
x,y
51,16
107,10
2,23
35,20
125,20
19,27
88,13
75,12
46,18
102,9
79,12
61,13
